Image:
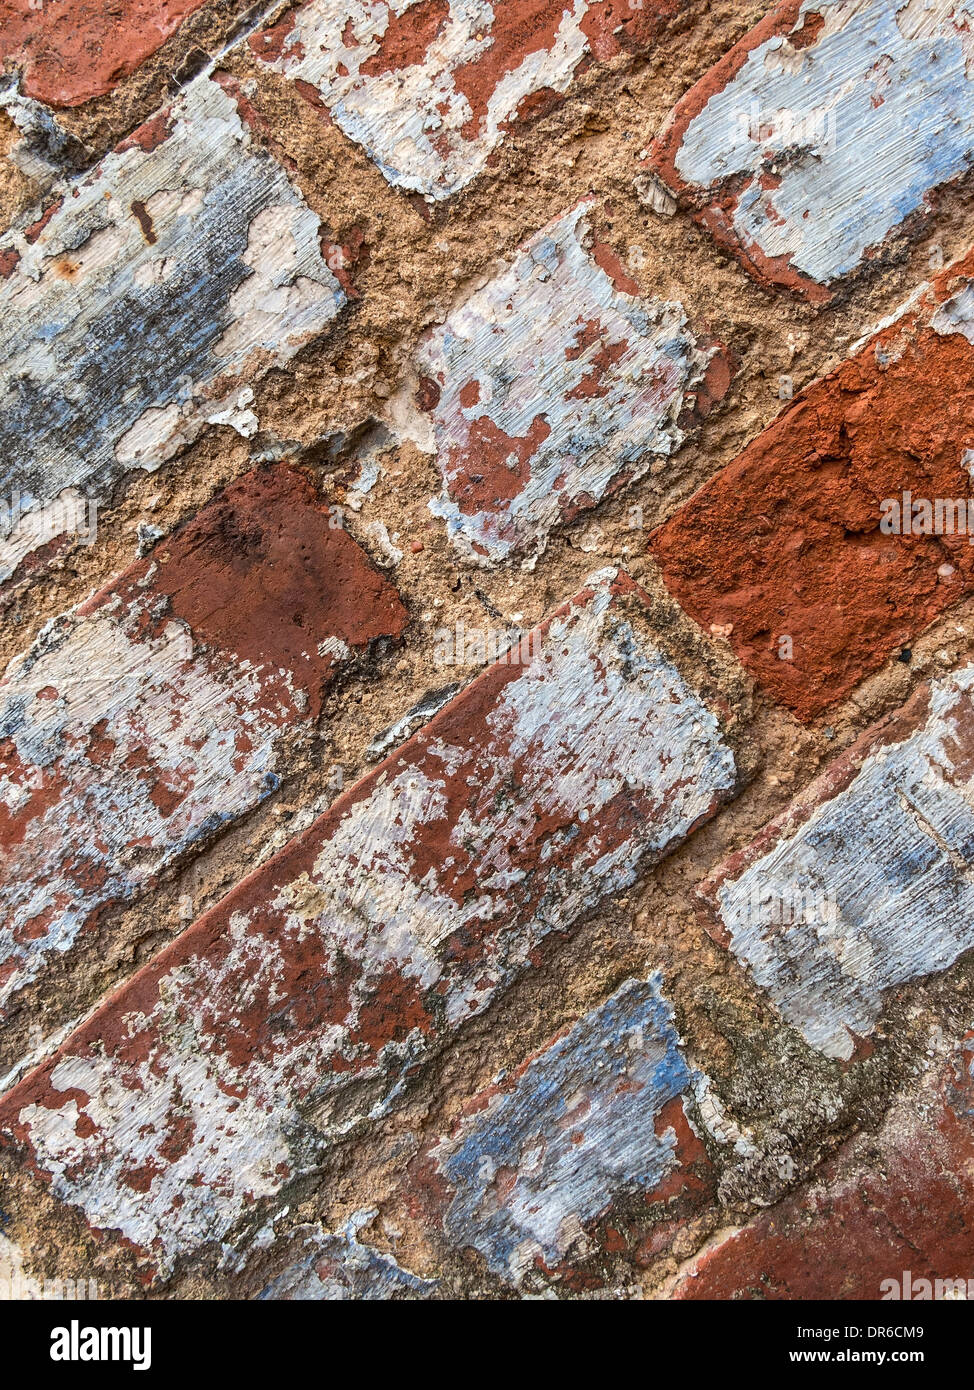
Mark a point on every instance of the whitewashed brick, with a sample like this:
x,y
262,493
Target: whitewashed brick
x,y
865,883
142,722
430,88
545,1153
554,385
823,131
295,1008
160,286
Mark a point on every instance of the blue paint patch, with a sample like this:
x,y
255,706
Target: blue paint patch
x,y
577,1130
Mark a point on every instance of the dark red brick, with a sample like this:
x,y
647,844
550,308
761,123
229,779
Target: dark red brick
x,y
785,544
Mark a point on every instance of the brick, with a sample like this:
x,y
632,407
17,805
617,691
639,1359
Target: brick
x,y
822,134
145,302
796,538
69,51
554,385
322,1266
163,708
430,88
540,1159
891,1211
298,1006
863,883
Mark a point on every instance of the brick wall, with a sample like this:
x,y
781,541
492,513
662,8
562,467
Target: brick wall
x,y
487,732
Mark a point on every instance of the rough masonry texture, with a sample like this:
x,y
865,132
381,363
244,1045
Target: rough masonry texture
x,y
889,1217
400,914
430,88
487,649
144,301
542,1154
159,711
864,883
822,132
69,51
811,535
339,1268
551,387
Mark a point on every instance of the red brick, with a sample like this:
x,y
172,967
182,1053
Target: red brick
x,y
821,136
164,707
785,543
296,1007
72,50
894,1204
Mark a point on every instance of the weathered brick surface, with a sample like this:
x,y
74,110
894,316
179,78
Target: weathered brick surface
x,y
162,708
864,882
553,386
339,343
144,302
398,915
889,1217
531,1173
791,540
431,87
821,133
69,51
339,1268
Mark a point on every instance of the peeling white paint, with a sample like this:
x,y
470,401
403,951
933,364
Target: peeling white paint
x,y
163,284
893,852
401,914
138,724
417,121
853,129
542,1159
92,832
29,527
956,315
554,387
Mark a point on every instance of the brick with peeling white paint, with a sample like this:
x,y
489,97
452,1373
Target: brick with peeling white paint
x,y
162,284
430,88
126,738
26,528
296,1007
541,1155
550,387
865,883
815,138
339,1267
